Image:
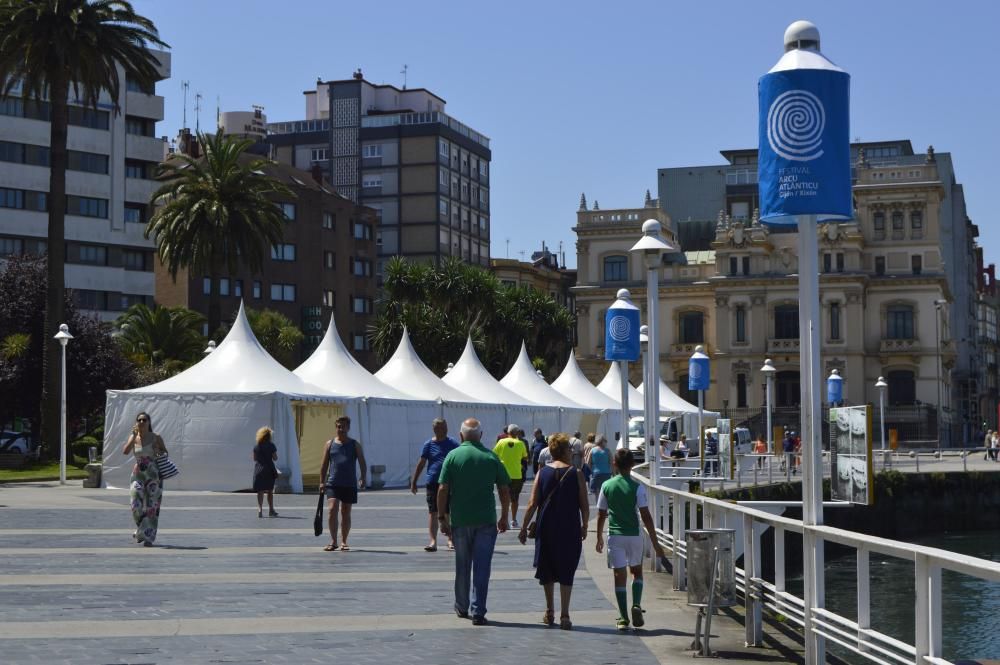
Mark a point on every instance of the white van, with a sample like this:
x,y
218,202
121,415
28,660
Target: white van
x,y
637,437
742,442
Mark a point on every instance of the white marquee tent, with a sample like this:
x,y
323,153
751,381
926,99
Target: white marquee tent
x,y
671,402
611,385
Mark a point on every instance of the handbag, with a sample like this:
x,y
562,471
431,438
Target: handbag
x,y
533,527
318,520
166,468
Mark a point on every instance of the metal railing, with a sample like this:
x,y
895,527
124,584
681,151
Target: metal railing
x,y
676,510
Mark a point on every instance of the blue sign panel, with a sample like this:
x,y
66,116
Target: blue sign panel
x,y
698,372
621,333
804,163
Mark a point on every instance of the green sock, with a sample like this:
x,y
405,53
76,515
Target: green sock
x,y
622,595
637,591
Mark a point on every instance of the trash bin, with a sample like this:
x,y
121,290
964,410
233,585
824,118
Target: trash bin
x,y
701,552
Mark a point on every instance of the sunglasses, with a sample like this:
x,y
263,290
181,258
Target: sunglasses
x,y
142,420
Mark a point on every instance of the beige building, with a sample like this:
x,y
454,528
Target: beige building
x,y
885,296
543,273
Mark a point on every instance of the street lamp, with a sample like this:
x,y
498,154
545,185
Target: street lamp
x,y
938,304
769,372
834,388
881,385
210,347
652,247
64,337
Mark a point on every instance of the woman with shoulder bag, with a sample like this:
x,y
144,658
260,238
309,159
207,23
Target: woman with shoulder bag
x,y
559,496
145,488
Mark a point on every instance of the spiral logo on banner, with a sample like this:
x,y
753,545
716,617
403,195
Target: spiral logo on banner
x,y
620,328
795,124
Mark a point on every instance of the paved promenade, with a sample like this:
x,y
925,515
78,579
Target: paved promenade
x,y
223,586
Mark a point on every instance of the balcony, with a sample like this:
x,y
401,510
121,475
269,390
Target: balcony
x,y
899,346
430,117
783,345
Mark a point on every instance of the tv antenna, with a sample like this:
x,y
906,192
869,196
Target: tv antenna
x,y
508,248
184,87
403,72
197,112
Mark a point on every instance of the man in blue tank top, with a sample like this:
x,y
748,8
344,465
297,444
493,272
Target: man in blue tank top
x,y
340,457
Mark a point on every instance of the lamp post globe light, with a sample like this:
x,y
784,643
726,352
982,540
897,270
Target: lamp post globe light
x,y
651,246
881,385
769,371
64,337
210,347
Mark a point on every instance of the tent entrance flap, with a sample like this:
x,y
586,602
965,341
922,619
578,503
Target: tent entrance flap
x,y
315,424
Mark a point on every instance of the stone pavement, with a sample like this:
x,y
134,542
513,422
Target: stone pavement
x,y
222,586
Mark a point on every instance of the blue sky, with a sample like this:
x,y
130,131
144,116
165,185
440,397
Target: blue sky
x,y
595,96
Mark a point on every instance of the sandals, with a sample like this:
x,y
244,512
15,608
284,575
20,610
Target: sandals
x,y
345,548
332,547
271,513
549,617
565,623
430,548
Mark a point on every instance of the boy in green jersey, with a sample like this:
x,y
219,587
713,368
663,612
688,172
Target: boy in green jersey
x,y
624,501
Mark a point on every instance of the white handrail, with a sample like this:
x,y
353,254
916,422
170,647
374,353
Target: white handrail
x,y
849,634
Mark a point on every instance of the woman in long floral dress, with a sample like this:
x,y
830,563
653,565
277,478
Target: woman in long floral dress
x,y
145,489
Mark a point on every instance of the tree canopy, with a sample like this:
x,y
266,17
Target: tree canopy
x,y
167,338
440,307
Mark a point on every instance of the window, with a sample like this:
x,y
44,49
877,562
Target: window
x,y
361,342
443,209
87,207
83,117
135,213
134,259
827,262
371,182
917,224
139,126
362,305
741,390
484,198
692,328
206,285
288,209
134,86
319,155
741,323
746,265
329,260
465,191
879,222
86,299
94,255
135,169
11,198
902,388
329,220
91,162
283,252
916,264
840,262
879,265
483,168
786,322
223,286
362,268
11,152
615,268
238,288
11,246
362,231
897,224
899,322
733,265
835,321
443,148
256,290
283,292
372,150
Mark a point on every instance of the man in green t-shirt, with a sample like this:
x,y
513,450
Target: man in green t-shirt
x,y
468,476
514,455
624,501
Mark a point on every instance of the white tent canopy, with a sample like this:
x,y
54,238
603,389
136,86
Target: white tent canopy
x,y
523,380
405,372
611,385
671,402
572,383
469,375
332,367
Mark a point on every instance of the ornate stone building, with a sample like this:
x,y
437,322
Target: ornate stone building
x,y
887,291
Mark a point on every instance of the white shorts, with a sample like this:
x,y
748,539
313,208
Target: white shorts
x,y
624,551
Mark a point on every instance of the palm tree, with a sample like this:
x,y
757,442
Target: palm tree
x,y
47,46
166,337
216,213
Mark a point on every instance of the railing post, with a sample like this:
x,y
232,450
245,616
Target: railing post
x,y
921,583
751,624
864,596
779,562
935,611
680,513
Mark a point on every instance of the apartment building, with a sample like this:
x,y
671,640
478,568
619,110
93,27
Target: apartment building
x,y
395,150
109,183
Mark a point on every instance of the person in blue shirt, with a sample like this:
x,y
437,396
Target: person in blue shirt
x,y
599,460
432,454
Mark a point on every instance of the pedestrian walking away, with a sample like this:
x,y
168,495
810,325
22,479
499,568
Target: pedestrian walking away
x,y
514,455
576,450
537,446
600,463
342,457
559,496
468,476
432,455
622,503
145,488
265,472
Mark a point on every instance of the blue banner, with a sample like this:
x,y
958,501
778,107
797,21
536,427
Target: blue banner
x,y
699,374
804,162
621,332
834,389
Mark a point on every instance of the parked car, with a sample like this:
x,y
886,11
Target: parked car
x,y
742,442
15,442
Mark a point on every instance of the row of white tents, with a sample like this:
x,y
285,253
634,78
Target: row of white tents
x,y
208,414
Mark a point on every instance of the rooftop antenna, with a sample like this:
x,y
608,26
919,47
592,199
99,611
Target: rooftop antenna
x,y
184,87
521,252
403,72
197,111
508,248
218,112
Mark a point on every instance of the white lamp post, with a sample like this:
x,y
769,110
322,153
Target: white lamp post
x,y
881,385
210,347
938,304
647,407
652,247
64,337
769,372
